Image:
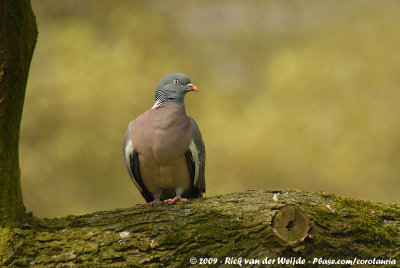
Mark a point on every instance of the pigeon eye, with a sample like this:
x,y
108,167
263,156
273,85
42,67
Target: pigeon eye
x,y
176,81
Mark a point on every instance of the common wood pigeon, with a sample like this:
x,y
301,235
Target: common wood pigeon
x,y
163,148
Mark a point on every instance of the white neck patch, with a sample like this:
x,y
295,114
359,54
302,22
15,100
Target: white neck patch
x,y
156,104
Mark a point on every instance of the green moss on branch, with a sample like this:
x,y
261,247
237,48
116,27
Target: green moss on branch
x,y
238,224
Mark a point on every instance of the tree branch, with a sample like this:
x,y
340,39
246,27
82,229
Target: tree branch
x,y
252,224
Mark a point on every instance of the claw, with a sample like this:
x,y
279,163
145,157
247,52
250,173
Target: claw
x,y
175,199
156,202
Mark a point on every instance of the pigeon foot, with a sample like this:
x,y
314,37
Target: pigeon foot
x,y
174,200
156,202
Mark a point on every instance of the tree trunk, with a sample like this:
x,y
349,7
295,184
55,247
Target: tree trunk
x,y
18,33
253,225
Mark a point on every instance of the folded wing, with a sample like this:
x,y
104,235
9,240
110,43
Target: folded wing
x,y
132,165
196,158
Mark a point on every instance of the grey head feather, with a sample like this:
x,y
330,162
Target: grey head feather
x,y
172,88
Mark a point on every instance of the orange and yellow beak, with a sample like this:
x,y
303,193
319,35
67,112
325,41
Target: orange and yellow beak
x,y
192,87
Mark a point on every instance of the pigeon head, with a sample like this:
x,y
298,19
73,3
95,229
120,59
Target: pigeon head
x,y
173,88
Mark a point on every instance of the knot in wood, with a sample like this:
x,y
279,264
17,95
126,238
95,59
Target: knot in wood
x,y
290,224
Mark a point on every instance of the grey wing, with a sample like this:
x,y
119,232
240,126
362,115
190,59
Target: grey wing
x,y
132,165
196,157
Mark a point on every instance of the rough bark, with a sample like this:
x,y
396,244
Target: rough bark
x,y
252,224
18,33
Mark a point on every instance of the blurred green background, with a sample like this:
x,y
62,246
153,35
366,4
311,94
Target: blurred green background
x,y
293,94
